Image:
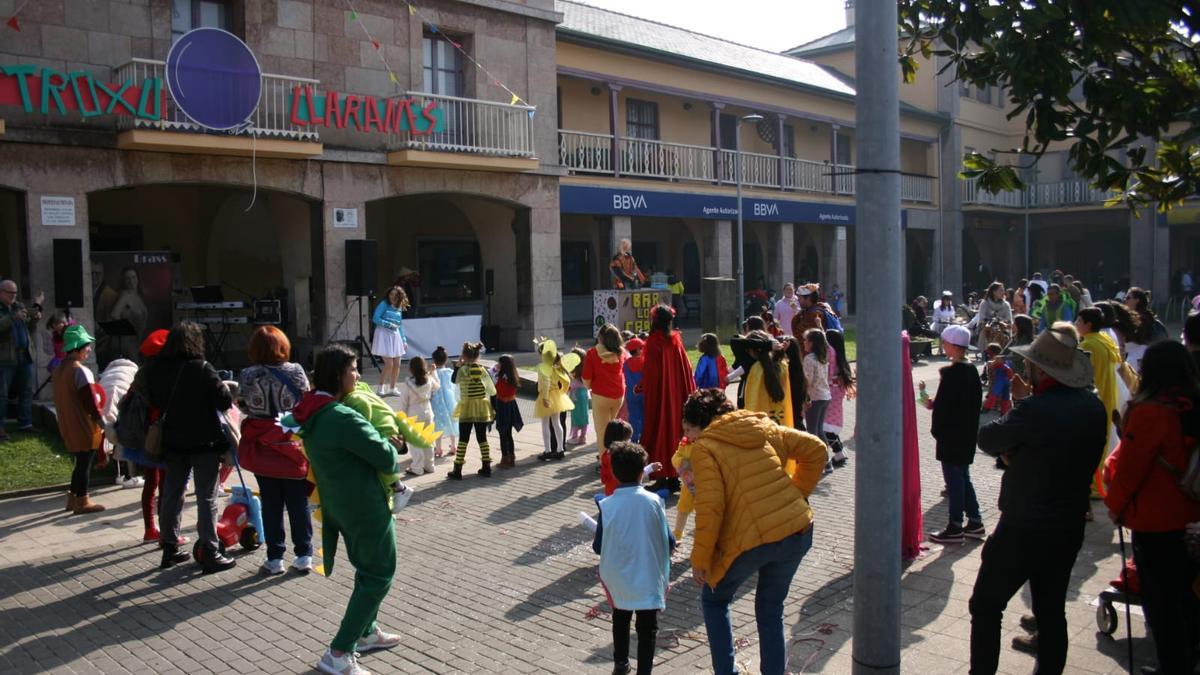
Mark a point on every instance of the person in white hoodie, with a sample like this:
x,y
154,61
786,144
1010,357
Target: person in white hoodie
x,y
116,380
415,400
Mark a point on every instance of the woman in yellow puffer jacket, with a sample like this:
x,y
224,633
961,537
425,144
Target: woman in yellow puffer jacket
x,y
750,517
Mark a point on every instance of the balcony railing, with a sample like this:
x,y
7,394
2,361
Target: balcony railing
x,y
584,152
472,126
1037,195
272,118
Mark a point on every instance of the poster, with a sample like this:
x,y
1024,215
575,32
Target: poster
x,y
626,309
134,286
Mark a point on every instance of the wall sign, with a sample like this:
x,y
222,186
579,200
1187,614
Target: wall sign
x,y
345,218
47,90
58,211
365,113
627,202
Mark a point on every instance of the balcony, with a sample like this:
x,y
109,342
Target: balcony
x,y
469,134
589,153
270,132
1037,195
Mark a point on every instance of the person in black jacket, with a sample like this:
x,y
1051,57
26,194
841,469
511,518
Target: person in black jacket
x,y
955,423
1052,442
188,393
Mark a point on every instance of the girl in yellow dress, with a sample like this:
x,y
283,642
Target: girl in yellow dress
x,y
554,380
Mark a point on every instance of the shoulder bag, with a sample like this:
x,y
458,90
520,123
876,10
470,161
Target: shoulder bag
x,y
154,449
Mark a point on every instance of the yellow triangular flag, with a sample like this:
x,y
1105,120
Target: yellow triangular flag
x,y
392,77
411,10
514,100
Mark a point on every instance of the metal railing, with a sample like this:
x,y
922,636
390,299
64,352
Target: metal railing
x,y
805,175
916,189
658,159
757,170
584,152
1037,195
471,126
271,119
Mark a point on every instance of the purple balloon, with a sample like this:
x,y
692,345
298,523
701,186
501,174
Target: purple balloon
x,y
214,78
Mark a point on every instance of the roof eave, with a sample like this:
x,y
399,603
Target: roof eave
x,y
819,51
620,46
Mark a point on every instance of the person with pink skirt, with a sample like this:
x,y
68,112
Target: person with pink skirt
x,y
911,527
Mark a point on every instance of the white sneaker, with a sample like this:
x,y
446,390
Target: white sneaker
x,y
302,564
346,664
400,497
273,567
133,482
377,641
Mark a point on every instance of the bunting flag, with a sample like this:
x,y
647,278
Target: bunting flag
x,y
433,28
12,22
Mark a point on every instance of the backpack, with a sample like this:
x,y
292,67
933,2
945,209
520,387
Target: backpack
x,y
133,419
1187,478
832,322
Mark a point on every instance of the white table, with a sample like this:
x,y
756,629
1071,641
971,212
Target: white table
x,y
424,335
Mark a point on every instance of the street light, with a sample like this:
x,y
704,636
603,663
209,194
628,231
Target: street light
x,y
737,169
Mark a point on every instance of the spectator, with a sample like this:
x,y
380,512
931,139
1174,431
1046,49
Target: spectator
x,y
1053,308
1149,329
750,518
17,323
1162,425
1052,442
188,391
787,307
945,314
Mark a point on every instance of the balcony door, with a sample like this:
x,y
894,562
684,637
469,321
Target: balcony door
x,y
443,75
189,14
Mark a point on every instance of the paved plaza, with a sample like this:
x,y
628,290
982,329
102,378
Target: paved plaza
x,y
494,575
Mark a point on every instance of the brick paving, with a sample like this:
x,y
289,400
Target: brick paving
x,y
494,575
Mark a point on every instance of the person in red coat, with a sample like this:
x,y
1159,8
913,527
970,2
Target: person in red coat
x,y
1161,428
666,382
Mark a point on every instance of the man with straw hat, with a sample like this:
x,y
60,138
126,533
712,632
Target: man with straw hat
x,y
1051,442
79,421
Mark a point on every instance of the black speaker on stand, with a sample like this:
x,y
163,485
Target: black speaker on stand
x,y
68,274
362,264
490,333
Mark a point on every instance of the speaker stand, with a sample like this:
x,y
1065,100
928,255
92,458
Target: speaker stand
x,y
364,347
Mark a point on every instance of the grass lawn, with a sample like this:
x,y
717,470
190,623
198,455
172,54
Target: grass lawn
x,y
33,460
851,349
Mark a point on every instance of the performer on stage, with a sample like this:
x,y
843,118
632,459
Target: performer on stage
x,y
625,272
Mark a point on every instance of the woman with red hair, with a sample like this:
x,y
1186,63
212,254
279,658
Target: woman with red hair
x,y
267,388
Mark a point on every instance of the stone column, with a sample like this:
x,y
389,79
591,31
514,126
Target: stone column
x,y
718,249
622,228
544,316
781,252
39,241
949,241
840,263
331,280
1149,255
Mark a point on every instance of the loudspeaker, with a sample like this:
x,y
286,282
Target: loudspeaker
x,y
362,266
68,273
489,281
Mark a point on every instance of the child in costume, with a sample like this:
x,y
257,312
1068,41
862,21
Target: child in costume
x,y
415,400
508,413
553,382
635,557
841,387
768,383
999,376
52,339
380,416
711,369
682,460
474,410
444,401
635,401
579,397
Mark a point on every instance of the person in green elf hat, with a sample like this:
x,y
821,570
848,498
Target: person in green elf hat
x,y
347,456
78,413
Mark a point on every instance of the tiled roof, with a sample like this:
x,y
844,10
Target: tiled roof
x,y
836,39
593,22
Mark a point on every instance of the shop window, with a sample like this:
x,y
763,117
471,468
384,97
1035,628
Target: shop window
x,y
443,66
189,14
576,268
641,119
450,271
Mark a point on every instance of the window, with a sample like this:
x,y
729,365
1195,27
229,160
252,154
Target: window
x,y
641,119
984,94
450,271
728,131
189,14
845,152
789,141
443,66
576,268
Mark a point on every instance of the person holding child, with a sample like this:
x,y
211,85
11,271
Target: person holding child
x,y
347,456
635,557
750,518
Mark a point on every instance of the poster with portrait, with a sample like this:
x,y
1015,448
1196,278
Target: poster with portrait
x,y
132,295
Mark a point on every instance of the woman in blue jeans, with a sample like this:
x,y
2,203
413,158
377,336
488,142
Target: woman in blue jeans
x,y
750,518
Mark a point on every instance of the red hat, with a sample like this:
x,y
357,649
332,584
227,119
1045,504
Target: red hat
x,y
154,343
634,345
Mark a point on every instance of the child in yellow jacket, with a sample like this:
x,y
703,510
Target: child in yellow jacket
x,y
682,461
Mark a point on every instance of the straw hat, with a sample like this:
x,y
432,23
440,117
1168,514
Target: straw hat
x,y
1057,352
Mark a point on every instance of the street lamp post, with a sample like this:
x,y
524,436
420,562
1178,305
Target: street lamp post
x,y
737,169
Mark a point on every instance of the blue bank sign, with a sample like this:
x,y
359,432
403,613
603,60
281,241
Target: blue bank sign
x,y
626,202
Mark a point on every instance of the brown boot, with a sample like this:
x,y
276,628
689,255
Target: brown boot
x,y
71,500
85,504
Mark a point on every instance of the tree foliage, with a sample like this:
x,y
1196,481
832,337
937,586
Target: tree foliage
x,y
1135,62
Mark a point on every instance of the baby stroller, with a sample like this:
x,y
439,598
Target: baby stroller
x,y
1125,589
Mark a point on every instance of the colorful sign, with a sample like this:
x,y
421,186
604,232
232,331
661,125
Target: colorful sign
x,y
365,113
626,309
45,90
629,202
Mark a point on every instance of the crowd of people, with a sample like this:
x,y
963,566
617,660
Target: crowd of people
x,y
1095,403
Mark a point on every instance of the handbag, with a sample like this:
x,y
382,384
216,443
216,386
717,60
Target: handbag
x,y
154,433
